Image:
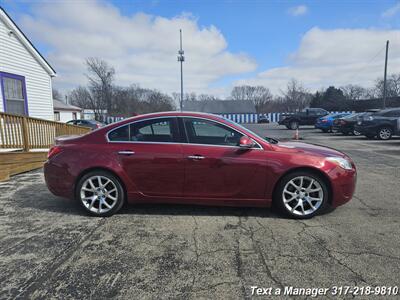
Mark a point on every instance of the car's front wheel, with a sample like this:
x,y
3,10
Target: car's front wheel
x,y
294,125
100,193
301,195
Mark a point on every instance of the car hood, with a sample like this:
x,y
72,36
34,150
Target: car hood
x,y
304,148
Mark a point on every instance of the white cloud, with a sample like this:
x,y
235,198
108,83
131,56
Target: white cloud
x,y
390,12
335,57
298,10
142,48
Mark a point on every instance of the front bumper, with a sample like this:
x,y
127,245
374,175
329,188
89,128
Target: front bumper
x,y
283,122
343,183
366,130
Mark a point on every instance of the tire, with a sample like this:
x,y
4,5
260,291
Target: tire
x,y
294,125
293,207
287,126
384,133
108,198
356,133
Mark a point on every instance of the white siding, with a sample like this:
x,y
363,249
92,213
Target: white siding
x,y
66,115
16,59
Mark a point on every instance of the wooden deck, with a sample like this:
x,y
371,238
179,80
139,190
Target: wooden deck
x,y
18,162
29,136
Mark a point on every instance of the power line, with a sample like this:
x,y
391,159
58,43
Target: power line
x,y
376,55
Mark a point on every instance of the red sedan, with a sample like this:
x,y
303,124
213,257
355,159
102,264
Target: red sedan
x,y
196,158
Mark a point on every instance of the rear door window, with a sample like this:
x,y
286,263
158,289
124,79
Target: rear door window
x,y
160,130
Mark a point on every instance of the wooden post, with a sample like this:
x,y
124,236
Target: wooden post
x,y
25,135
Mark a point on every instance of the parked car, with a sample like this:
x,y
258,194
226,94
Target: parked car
x,y
382,124
326,123
306,117
196,158
87,123
346,124
263,119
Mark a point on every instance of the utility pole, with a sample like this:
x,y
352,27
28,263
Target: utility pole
x,y
384,76
181,59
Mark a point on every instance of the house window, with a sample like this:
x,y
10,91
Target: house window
x,y
56,116
14,94
74,116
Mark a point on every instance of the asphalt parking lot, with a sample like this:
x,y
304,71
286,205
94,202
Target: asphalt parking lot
x,y
51,249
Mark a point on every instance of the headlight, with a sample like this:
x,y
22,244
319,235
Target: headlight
x,y
342,162
369,118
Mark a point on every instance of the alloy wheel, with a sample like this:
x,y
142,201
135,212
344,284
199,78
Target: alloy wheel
x,y
302,195
294,125
385,133
99,194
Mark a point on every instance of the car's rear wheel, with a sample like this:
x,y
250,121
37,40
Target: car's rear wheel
x,y
301,195
294,125
100,193
385,133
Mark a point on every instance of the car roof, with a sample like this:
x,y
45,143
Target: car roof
x,y
387,110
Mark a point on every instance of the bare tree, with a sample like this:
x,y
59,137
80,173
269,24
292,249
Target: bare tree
x,y
82,98
354,92
206,97
57,95
101,78
392,86
295,97
259,95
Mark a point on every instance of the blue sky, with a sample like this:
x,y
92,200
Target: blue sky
x,y
274,36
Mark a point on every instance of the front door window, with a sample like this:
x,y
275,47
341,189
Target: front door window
x,y
201,131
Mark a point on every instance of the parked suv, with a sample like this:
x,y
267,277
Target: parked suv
x,y
306,117
382,124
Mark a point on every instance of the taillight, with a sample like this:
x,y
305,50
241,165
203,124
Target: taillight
x,y
53,151
324,120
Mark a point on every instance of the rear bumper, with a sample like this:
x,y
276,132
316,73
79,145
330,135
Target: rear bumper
x,y
58,180
322,125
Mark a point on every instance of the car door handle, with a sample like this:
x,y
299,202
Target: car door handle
x,y
196,157
126,152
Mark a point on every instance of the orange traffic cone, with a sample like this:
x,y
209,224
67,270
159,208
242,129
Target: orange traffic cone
x,y
296,135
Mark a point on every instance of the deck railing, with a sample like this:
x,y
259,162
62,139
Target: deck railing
x,y
21,132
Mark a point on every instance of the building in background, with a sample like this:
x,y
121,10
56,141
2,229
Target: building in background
x,y
25,75
65,112
241,111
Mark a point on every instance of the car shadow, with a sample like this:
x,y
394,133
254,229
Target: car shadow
x,y
198,210
44,201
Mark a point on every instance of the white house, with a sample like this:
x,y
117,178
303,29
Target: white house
x,y
25,75
65,112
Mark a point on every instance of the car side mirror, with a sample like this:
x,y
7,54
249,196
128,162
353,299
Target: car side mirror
x,y
246,142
